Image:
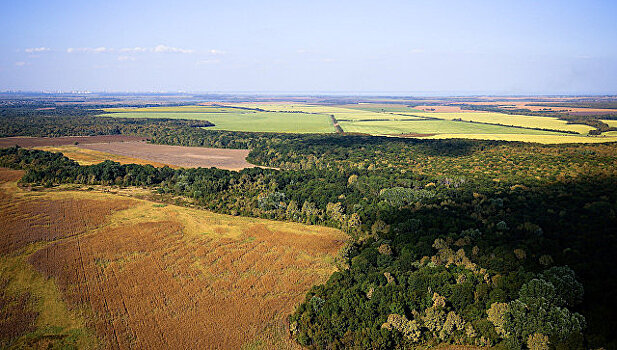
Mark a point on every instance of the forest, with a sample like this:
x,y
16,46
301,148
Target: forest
x,y
451,241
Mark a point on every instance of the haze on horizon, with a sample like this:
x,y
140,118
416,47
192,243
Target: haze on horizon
x,y
476,47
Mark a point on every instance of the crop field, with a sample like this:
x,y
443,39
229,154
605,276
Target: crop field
x,y
85,156
236,119
31,142
548,106
381,108
544,139
375,119
419,126
339,112
515,120
442,109
611,123
99,270
178,156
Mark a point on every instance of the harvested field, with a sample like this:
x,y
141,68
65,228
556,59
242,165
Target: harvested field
x,y
29,142
442,109
188,157
142,275
42,213
548,107
544,139
86,156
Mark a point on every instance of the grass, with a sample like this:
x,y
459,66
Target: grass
x,y
611,123
383,108
340,113
514,120
85,156
155,276
431,127
241,120
54,318
374,119
544,139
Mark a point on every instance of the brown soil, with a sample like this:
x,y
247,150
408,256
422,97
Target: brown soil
x,y
188,157
27,142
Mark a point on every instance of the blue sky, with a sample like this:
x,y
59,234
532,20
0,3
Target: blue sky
x,y
431,47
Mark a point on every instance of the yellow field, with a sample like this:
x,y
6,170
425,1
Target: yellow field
x,y
108,271
544,139
339,113
85,156
181,109
386,119
515,120
343,114
611,123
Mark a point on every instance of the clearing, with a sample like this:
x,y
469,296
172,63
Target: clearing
x,y
99,270
180,156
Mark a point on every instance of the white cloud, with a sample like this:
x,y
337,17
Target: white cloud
x,y
216,52
417,51
164,48
134,49
137,49
20,63
37,49
126,58
88,49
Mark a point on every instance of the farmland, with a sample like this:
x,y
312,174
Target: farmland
x,y
132,273
393,127
64,141
179,156
441,234
514,120
436,121
86,156
238,120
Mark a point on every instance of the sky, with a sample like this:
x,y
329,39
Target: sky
x,y
384,47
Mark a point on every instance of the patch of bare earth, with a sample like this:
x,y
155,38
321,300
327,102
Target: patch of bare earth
x,y
187,157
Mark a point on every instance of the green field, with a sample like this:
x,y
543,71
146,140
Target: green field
x,y
339,112
526,121
419,126
247,120
544,139
372,107
374,119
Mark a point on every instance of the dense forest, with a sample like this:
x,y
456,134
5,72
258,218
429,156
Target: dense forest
x,y
452,241
24,120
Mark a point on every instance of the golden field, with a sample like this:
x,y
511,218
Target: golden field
x,y
100,270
